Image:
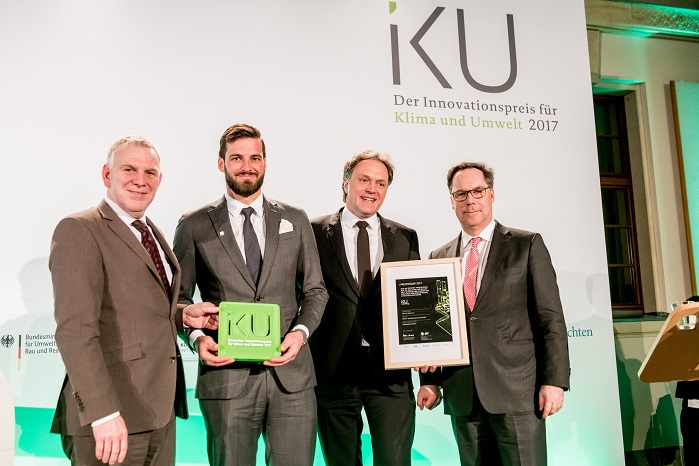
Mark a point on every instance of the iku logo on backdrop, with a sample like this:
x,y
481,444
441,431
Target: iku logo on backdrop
x,y
397,48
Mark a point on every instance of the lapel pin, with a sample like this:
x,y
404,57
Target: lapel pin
x,y
221,233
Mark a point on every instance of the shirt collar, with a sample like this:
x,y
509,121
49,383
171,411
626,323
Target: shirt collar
x,y
486,234
349,219
126,218
235,207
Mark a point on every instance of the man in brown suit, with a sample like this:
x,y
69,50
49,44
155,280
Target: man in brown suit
x,y
115,284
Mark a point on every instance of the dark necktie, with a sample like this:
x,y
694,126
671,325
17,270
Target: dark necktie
x,y
364,275
253,256
151,247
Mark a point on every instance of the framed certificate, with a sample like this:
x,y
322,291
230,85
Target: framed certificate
x,y
249,331
424,322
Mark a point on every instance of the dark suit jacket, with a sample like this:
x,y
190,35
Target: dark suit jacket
x,y
687,389
517,332
400,243
116,327
211,260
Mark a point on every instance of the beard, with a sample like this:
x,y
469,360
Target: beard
x,y
245,188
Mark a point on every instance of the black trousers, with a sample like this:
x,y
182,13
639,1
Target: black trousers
x,y
391,417
509,439
689,425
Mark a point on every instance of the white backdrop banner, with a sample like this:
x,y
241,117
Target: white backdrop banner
x,y
431,82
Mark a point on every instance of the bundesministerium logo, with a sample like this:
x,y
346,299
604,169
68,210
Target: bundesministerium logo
x,y
7,341
463,56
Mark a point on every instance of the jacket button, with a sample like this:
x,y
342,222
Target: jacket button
x,y
473,319
173,358
258,298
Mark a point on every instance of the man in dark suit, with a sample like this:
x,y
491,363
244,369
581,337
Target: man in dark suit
x,y
115,282
348,345
248,248
689,419
517,334
689,416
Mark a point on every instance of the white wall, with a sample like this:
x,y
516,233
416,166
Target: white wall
x,y
651,413
655,62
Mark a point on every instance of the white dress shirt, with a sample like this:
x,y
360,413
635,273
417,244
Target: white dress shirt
x,y
237,218
349,234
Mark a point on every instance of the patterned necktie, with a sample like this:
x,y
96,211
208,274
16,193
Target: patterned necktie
x,y
253,256
148,243
471,277
364,275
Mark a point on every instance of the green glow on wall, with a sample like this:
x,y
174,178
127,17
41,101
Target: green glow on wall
x,y
33,439
644,19
686,100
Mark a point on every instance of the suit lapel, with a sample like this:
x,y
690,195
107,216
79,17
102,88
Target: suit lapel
x,y
333,230
388,240
453,249
171,259
220,220
123,231
497,252
388,243
273,219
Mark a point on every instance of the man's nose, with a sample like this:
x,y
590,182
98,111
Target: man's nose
x,y
246,165
139,178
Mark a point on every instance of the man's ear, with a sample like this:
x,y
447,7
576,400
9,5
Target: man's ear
x,y
106,176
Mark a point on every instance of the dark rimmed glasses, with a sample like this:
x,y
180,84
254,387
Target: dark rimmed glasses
x,y
477,193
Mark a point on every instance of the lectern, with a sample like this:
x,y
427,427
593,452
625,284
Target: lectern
x,y
675,352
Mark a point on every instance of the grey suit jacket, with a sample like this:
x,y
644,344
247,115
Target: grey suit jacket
x,y
517,333
290,277
116,327
399,243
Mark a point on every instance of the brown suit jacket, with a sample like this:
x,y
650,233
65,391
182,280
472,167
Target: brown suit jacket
x,y
116,327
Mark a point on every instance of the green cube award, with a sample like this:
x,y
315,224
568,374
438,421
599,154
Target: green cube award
x,y
249,331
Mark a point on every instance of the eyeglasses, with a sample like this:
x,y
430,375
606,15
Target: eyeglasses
x,y
460,196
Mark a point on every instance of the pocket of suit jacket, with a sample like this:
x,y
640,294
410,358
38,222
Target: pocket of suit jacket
x,y
128,353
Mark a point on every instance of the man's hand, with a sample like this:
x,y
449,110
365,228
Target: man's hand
x,y
111,441
293,341
550,400
425,369
207,349
429,396
201,315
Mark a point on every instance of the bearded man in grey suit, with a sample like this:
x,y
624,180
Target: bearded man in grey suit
x,y
348,346
517,334
115,283
246,247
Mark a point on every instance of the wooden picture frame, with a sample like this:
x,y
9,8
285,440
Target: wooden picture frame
x,y
424,319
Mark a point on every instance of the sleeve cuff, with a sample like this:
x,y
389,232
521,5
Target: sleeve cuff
x,y
105,419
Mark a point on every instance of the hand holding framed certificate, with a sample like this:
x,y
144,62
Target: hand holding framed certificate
x,y
424,322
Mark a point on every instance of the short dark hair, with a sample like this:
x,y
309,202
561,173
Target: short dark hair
x,y
488,172
239,131
367,154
